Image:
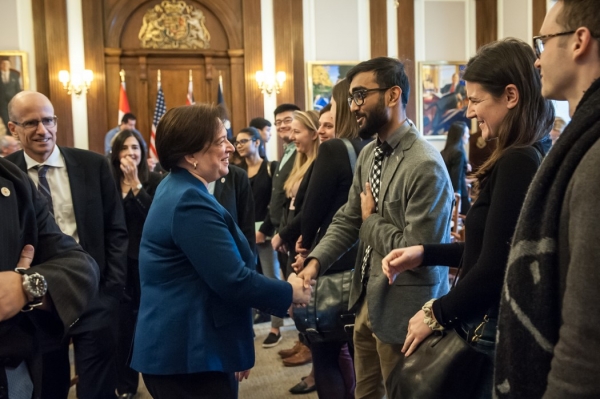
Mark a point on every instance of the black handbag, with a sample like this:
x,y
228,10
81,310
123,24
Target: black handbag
x,y
445,365
326,317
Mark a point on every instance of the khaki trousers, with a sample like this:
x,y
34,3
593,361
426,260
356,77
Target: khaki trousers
x,y
373,359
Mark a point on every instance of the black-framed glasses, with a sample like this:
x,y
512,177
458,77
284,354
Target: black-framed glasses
x,y
32,124
359,96
242,142
538,41
285,121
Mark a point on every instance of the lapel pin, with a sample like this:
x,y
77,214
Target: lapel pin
x,y
5,191
222,180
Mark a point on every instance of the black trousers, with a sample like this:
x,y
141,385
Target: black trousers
x,y
207,385
94,364
127,378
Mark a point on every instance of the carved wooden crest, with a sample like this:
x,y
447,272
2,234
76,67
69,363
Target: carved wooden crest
x,y
174,25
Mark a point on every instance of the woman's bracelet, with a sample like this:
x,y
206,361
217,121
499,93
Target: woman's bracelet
x,y
429,318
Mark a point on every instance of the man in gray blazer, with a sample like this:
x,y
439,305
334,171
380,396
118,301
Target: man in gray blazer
x,y
408,202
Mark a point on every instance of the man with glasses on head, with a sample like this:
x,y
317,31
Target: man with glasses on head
x,y
83,199
400,196
549,324
284,115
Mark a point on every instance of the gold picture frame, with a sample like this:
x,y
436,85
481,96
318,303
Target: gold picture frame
x,y
321,77
441,99
15,80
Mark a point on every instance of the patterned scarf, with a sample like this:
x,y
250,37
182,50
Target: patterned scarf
x,y
530,308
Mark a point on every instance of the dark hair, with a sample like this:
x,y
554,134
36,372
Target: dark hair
x,y
345,123
259,123
454,140
580,13
115,156
388,72
253,133
495,66
185,130
326,108
285,108
128,117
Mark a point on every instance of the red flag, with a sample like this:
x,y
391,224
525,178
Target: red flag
x,y
123,103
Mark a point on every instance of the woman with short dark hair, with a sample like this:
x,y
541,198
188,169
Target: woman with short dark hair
x,y
455,158
194,329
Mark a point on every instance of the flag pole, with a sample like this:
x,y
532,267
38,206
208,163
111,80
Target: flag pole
x,y
158,79
190,75
122,74
220,80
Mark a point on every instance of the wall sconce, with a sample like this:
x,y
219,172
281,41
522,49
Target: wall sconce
x,y
77,83
267,83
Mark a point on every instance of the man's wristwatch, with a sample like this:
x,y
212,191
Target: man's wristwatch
x,y
35,288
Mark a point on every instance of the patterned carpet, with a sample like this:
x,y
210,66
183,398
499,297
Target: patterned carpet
x,y
269,379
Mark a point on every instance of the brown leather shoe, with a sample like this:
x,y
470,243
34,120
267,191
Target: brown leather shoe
x,y
303,356
291,351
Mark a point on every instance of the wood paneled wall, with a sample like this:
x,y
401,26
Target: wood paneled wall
x,y
255,105
539,12
486,26
289,50
378,19
52,55
406,50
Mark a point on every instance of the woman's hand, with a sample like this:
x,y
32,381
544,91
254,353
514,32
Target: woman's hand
x,y
300,248
300,294
400,260
298,264
130,172
417,332
242,375
278,244
260,238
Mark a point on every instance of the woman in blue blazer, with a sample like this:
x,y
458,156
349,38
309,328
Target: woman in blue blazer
x,y
194,330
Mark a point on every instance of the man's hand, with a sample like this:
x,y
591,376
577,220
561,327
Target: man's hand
x,y
310,272
260,238
301,294
12,295
400,260
367,202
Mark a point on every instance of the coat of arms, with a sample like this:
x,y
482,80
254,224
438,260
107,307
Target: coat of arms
x,y
174,25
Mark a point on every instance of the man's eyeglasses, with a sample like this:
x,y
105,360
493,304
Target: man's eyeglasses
x,y
359,96
242,142
538,41
32,124
285,121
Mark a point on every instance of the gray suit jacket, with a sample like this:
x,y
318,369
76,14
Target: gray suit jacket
x,y
415,204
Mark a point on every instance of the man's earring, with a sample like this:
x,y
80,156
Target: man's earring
x,y
195,164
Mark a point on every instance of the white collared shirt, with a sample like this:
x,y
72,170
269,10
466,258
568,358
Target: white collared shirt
x,y
58,180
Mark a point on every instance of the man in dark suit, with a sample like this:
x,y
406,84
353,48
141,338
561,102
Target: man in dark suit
x,y
83,198
284,115
71,277
10,85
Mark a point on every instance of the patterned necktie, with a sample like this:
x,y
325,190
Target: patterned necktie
x,y
375,182
44,187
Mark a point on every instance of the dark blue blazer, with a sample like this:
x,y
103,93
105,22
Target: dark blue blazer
x,y
198,285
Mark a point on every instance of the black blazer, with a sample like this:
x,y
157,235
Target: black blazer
x,y
71,274
235,194
136,209
101,228
278,197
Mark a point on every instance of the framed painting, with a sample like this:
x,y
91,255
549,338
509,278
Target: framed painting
x,y
14,78
321,77
442,97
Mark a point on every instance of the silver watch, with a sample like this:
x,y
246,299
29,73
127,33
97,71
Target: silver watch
x,y
35,287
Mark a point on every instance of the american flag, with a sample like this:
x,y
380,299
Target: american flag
x,y
159,111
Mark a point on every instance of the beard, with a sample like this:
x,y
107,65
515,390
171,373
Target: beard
x,y
374,121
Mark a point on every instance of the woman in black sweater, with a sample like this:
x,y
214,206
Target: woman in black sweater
x,y
504,92
455,158
129,166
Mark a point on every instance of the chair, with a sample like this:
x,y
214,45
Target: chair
x,y
457,231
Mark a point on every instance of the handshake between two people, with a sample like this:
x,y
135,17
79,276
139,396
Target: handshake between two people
x,y
301,289
400,260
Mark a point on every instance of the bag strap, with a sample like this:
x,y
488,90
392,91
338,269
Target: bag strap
x,y
351,153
